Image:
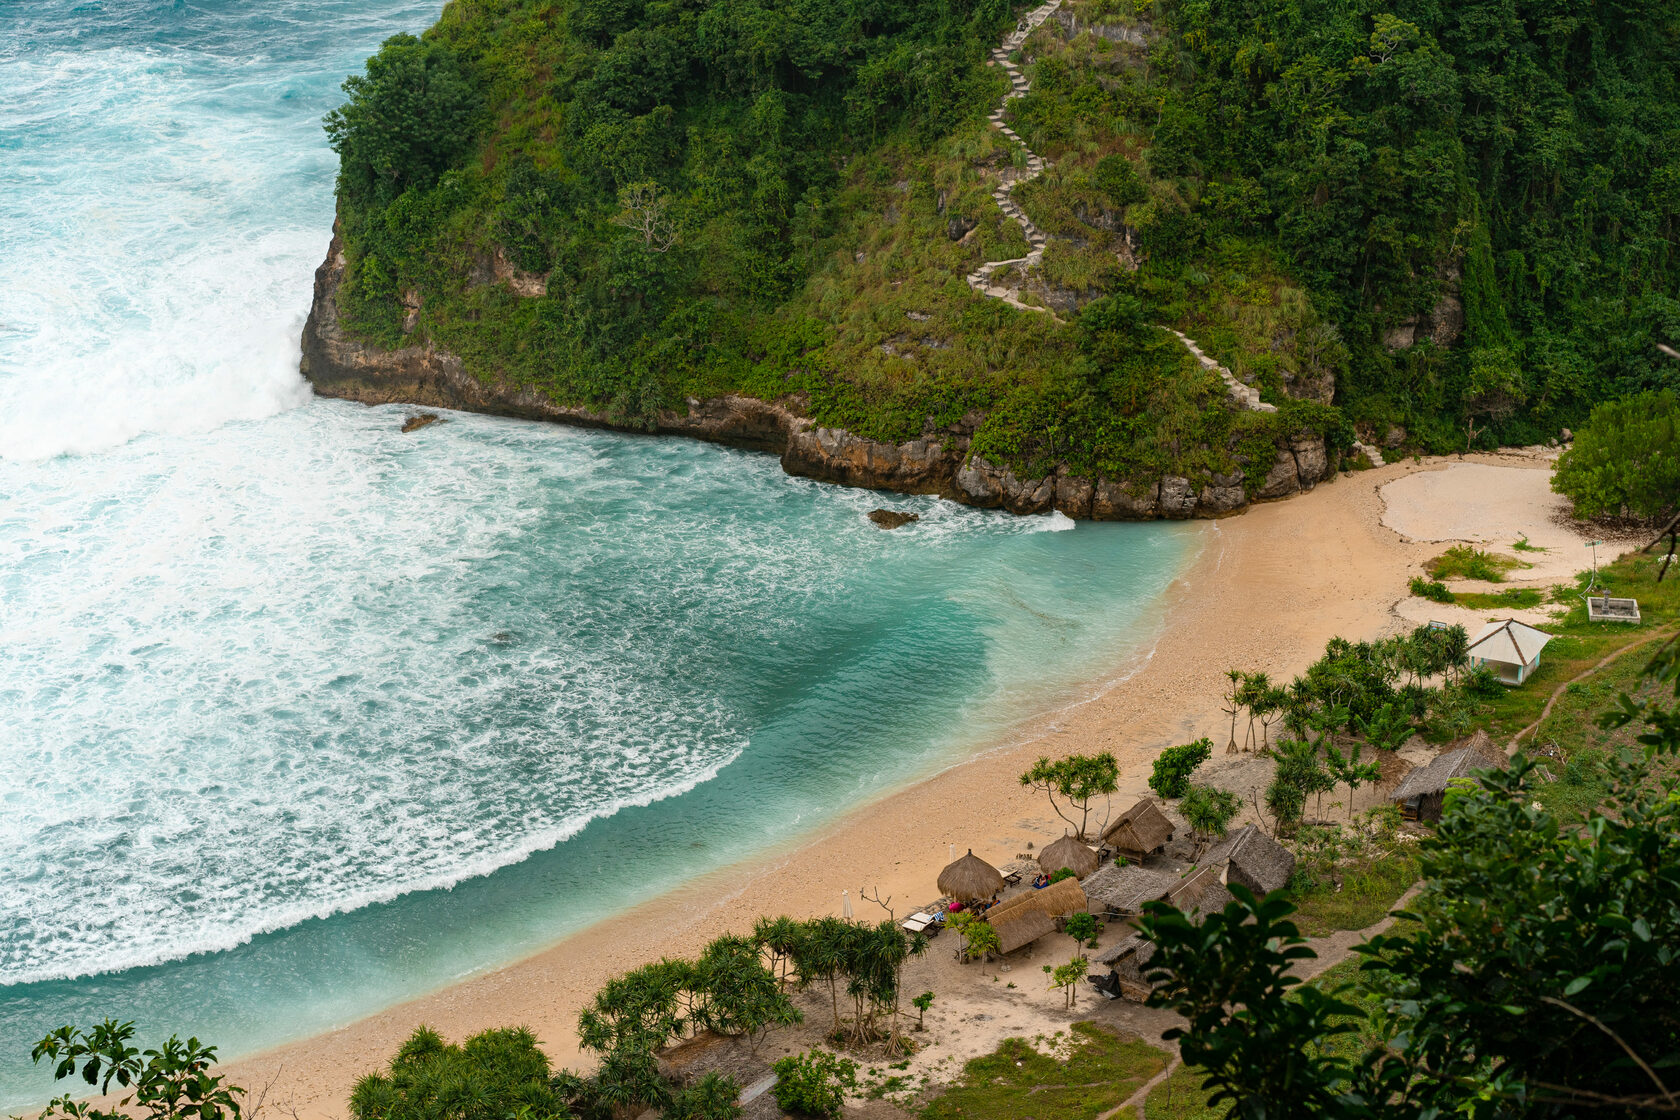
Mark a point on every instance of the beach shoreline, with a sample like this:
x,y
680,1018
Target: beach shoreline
x,y
1265,592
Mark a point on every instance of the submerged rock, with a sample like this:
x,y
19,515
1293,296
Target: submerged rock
x,y
892,518
419,420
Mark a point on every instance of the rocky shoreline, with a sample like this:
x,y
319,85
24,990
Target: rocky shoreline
x,y
339,366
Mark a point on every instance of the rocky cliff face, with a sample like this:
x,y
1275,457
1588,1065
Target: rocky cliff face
x,y
939,463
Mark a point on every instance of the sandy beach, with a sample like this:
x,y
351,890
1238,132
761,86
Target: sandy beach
x,y
1266,591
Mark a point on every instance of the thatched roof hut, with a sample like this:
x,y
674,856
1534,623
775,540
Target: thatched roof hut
x,y
1071,854
1201,891
1122,889
1489,755
1253,860
1055,901
1141,830
1020,926
969,878
1421,795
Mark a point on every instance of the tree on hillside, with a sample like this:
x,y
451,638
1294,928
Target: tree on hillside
x,y
1078,780
1625,461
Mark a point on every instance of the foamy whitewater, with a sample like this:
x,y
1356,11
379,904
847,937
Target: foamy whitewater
x,y
300,715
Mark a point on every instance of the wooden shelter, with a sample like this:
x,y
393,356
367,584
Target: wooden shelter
x,y
1071,854
1252,859
1123,889
1510,648
1424,790
1021,926
1141,831
1128,959
970,878
1058,900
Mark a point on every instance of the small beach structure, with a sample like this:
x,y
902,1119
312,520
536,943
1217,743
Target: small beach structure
x,y
1071,854
1128,962
1058,900
1602,608
1423,791
1021,926
970,878
1510,648
1140,832
1249,858
1122,890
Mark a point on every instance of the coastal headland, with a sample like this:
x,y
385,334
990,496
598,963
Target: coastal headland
x,y
1266,591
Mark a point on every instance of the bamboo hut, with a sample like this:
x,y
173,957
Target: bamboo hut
x,y
1422,794
1252,859
1071,854
1140,832
1021,926
1123,889
970,878
1058,900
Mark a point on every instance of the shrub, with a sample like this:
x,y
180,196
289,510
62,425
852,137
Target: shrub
x,y
713,1097
1483,682
488,1077
1173,767
163,1084
814,1083
1626,460
1461,561
1209,811
1117,178
1431,589
1061,873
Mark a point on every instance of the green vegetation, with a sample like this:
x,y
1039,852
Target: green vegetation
x,y
170,1082
1209,811
1170,777
1431,589
1512,598
783,201
484,1078
1534,974
1349,879
814,1084
1522,544
1078,1079
1078,780
1626,461
1463,561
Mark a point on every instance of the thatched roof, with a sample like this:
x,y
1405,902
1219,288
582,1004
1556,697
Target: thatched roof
x,y
1142,828
1199,889
1121,949
1252,859
1053,901
969,878
1125,888
1020,926
1071,854
1488,753
1434,777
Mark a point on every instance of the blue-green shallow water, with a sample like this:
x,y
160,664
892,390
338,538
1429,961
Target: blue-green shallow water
x,y
300,716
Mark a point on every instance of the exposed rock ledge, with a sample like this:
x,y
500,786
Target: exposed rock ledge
x,y
338,366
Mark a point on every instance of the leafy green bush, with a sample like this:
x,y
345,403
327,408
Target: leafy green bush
x,y
173,1081
1625,461
714,1097
1433,590
1170,777
1209,811
1463,561
814,1083
490,1076
1061,873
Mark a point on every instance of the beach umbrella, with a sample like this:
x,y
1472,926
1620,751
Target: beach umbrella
x,y
1071,854
969,878
846,905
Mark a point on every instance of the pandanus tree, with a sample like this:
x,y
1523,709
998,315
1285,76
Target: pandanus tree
x,y
780,937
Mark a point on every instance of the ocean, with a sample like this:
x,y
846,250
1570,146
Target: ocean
x,y
301,715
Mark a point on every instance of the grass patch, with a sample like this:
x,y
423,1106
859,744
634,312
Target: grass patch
x,y
1432,589
1462,561
1181,1097
1514,598
1369,888
1098,1070
1522,545
1577,644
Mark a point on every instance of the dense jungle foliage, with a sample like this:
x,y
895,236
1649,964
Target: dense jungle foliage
x,y
1457,218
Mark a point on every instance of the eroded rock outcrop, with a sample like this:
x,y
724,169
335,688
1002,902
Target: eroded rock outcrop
x,y
939,462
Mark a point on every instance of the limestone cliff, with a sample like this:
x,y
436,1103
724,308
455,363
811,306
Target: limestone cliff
x,y
337,365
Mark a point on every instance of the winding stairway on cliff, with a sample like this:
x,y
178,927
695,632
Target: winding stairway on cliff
x,y
981,278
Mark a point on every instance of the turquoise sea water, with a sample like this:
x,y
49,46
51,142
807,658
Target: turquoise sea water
x,y
300,716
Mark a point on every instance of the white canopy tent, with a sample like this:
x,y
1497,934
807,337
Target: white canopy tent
x,y
1510,648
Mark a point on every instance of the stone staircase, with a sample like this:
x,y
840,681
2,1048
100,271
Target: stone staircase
x,y
981,279
1245,395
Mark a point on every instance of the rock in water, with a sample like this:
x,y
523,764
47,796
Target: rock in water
x,y
892,518
420,420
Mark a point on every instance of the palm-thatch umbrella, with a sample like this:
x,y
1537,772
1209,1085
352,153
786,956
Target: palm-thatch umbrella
x,y
1071,854
969,878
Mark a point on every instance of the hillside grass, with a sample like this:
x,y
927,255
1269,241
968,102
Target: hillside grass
x,y
1079,1078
